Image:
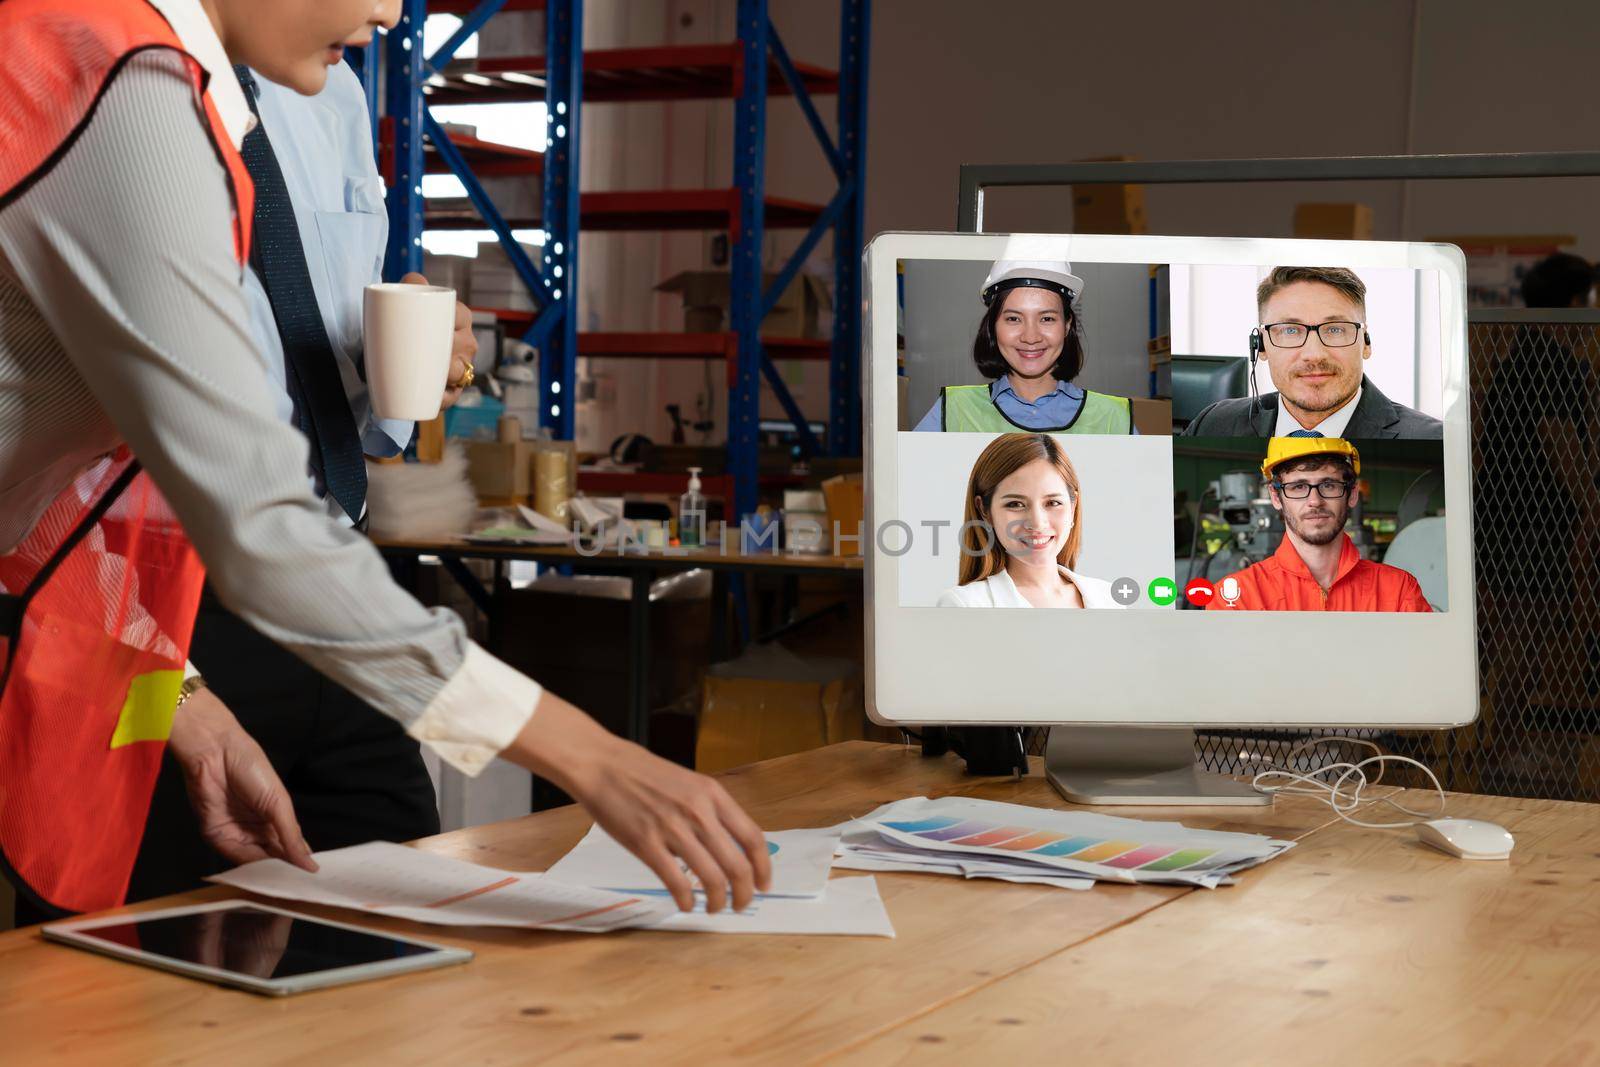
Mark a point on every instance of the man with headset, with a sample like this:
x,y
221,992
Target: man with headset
x,y
1313,334
1316,567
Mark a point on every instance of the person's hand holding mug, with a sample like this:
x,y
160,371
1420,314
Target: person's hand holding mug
x,y
412,332
463,346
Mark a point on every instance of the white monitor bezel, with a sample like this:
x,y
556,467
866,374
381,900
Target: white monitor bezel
x,y
1164,668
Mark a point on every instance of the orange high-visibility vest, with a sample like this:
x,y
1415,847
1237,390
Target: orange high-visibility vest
x,y
98,600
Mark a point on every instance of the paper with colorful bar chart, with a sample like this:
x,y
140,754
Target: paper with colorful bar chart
x,y
983,838
800,860
407,883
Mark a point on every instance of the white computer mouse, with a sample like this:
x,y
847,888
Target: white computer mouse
x,y
1470,839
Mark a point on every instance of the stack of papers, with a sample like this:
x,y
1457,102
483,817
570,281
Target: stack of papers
x,y
801,900
597,887
1070,849
405,883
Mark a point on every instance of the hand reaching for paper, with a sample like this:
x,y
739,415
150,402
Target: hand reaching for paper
x,y
463,345
242,808
659,811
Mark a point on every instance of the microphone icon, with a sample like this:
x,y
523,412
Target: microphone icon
x,y
1230,591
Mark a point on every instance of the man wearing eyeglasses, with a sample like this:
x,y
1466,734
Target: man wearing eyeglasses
x,y
1314,336
1316,567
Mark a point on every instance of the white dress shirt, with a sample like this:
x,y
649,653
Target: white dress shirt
x,y
999,591
1332,426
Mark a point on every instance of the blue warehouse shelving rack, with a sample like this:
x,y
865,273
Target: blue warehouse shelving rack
x,y
747,72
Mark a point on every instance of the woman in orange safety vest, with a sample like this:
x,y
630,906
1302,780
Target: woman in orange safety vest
x,y
138,438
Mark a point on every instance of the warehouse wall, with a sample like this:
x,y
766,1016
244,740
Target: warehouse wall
x,y
1235,78
953,82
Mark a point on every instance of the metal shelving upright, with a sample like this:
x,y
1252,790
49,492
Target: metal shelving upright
x,y
748,72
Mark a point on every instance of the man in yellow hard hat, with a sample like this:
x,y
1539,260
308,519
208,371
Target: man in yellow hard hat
x,y
1316,567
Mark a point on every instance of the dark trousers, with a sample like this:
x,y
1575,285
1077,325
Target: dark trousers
x,y
353,773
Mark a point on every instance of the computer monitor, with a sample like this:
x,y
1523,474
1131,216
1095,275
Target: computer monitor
x,y
1039,473
1197,382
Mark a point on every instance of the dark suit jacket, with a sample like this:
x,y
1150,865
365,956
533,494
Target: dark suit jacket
x,y
1376,416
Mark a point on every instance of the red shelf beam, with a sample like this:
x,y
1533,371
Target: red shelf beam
x,y
691,346
667,209
487,158
618,75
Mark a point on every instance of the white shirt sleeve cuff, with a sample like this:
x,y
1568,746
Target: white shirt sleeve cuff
x,y
190,670
480,711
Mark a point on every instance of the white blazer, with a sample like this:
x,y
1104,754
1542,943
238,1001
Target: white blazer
x,y
999,591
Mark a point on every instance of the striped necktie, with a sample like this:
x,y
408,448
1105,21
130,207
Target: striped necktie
x,y
321,408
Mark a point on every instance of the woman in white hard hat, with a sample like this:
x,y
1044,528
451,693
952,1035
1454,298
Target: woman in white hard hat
x,y
1023,531
1030,347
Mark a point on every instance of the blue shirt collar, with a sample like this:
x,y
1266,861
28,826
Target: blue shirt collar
x,y
1002,385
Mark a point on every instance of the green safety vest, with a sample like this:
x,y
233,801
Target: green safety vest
x,y
969,409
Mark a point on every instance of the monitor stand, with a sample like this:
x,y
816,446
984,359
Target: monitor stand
x,y
1152,765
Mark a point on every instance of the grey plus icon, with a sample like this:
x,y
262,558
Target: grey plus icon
x,y
1125,591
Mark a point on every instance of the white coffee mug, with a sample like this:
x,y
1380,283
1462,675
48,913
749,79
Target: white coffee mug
x,y
407,333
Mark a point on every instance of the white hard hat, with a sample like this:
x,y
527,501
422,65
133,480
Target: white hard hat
x,y
1007,274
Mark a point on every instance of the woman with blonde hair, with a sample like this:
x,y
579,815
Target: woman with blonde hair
x,y
1023,531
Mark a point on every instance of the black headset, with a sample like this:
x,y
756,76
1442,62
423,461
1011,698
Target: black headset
x,y
1255,351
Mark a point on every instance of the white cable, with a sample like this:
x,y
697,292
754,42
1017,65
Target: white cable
x,y
1343,799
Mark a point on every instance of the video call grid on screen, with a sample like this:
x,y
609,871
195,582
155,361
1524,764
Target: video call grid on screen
x,y
1141,303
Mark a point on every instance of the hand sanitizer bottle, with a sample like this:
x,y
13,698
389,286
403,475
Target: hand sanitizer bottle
x,y
692,514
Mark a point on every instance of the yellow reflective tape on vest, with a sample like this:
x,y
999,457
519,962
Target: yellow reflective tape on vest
x,y
147,713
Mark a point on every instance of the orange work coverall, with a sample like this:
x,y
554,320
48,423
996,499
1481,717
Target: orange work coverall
x,y
1282,583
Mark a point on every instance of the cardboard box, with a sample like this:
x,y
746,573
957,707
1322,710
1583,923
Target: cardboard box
x,y
453,272
1333,222
1109,208
1153,418
495,282
707,296
500,472
770,702
847,507
1159,349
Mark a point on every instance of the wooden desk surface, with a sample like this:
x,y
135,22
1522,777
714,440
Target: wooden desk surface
x,y
1357,947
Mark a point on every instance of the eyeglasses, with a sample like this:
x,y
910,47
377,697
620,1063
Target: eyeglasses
x,y
1331,334
1329,489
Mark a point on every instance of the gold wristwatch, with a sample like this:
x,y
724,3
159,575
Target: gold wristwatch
x,y
191,685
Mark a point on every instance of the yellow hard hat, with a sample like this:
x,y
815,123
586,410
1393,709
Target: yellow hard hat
x,y
1283,449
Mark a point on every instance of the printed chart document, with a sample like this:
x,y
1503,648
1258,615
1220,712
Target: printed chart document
x,y
801,901
1072,849
388,879
850,906
800,862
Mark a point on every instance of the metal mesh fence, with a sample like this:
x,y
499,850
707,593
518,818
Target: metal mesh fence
x,y
1536,516
1536,543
